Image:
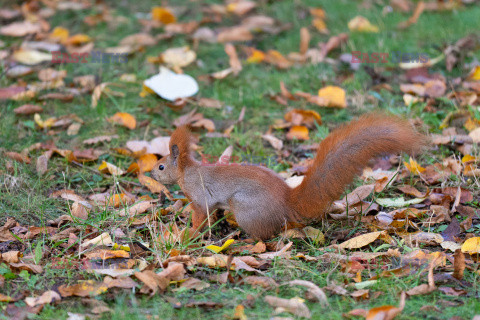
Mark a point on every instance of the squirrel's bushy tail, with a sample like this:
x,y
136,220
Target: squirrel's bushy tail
x,y
344,153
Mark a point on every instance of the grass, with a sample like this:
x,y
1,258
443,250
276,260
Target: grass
x,y
25,196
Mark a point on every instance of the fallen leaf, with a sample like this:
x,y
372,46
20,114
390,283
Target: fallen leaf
x,y
217,249
84,288
293,305
178,57
361,241
125,119
471,245
47,297
298,132
335,96
110,168
163,15
361,24
27,109
171,86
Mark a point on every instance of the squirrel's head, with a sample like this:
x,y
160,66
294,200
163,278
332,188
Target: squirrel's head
x,y
166,170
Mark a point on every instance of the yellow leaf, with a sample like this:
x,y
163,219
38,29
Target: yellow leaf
x,y
256,56
60,34
361,24
125,119
217,249
240,313
298,132
474,74
31,57
361,240
471,124
145,91
163,15
43,124
468,158
334,95
471,246
413,166
320,25
110,168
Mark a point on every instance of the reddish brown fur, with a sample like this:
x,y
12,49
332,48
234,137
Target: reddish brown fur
x,y
261,201
182,138
344,153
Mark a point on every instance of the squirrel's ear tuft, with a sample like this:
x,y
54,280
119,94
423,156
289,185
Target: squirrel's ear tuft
x,y
175,152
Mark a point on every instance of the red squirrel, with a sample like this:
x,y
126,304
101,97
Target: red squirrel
x,y
260,199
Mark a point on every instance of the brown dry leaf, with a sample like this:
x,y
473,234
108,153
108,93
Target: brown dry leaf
x,y
435,88
27,266
20,29
11,92
293,305
426,288
27,109
194,284
234,62
232,34
174,272
298,132
335,96
241,7
107,254
209,103
276,143
79,211
154,186
264,282
304,40
281,253
125,119
97,92
277,59
11,256
313,290
100,139
361,241
414,18
47,297
85,288
153,281
18,157
215,261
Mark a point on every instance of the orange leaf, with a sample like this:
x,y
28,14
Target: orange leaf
x,y
125,119
163,15
153,185
298,132
146,162
78,39
414,167
256,56
334,95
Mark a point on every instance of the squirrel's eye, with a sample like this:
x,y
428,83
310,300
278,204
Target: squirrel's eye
x,y
161,167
